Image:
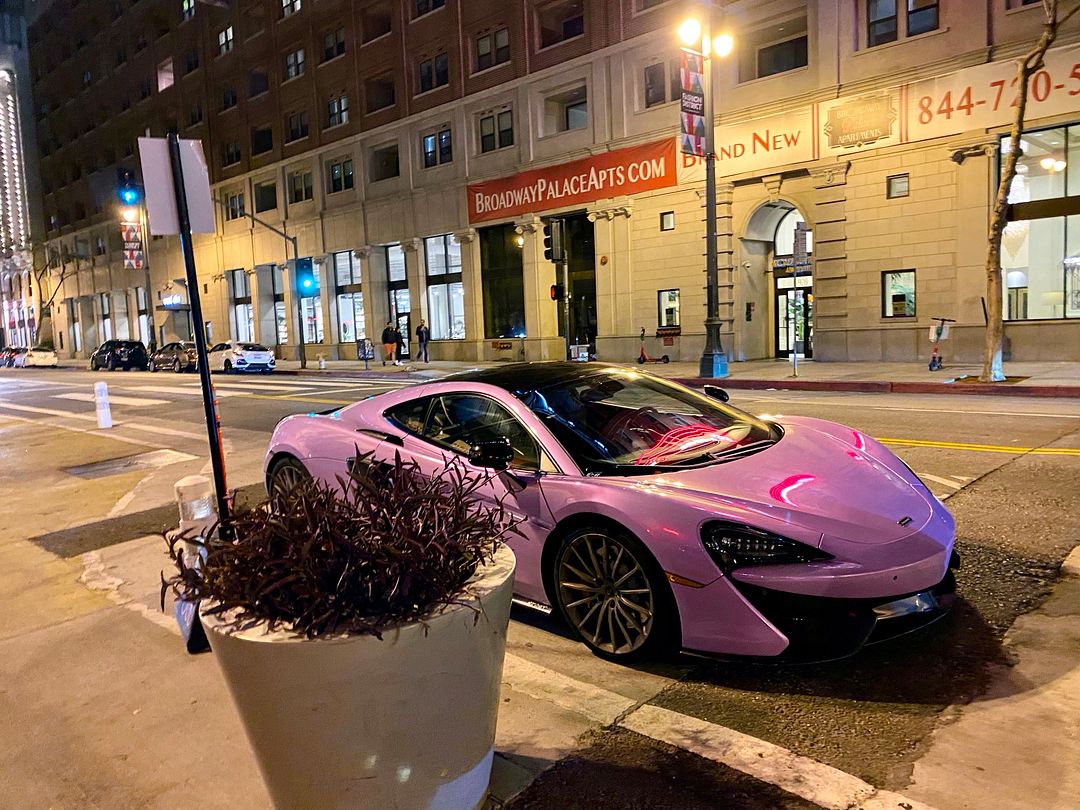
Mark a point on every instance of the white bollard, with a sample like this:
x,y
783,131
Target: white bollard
x,y
101,401
322,362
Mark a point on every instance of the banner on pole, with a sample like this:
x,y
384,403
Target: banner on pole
x,y
133,248
692,105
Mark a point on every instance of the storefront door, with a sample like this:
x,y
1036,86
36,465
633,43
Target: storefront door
x,y
400,310
794,317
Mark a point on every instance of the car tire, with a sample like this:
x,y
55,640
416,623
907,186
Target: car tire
x,y
93,364
226,367
285,474
613,595
152,367
177,366
110,364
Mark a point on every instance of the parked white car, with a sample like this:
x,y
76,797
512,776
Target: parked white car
x,y
38,357
236,355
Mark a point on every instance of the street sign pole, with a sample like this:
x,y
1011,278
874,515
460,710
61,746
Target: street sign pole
x,y
213,424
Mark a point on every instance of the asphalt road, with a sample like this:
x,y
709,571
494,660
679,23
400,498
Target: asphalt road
x,y
1009,470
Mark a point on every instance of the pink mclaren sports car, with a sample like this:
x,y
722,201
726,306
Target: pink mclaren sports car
x,y
656,517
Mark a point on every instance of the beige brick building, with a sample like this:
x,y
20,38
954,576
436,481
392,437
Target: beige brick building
x,y
867,131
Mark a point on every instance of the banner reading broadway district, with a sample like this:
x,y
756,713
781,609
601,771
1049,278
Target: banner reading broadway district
x,y
622,171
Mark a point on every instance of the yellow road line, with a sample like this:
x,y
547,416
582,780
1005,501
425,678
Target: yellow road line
x,y
984,448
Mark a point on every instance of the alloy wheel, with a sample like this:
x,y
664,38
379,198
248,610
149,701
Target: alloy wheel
x,y
177,367
286,476
605,593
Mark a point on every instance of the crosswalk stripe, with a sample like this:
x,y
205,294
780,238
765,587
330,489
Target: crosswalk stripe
x,y
164,389
135,402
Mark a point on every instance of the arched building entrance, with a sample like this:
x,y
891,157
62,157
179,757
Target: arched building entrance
x,y
778,250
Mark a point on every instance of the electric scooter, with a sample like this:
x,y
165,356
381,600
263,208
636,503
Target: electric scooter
x,y
644,356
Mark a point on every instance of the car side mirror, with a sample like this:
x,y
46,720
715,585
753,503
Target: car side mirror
x,y
716,392
495,454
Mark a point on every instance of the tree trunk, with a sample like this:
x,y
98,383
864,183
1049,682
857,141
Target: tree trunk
x,y
1031,62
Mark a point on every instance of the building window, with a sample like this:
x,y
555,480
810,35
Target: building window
x,y
262,140
667,308
258,82
560,21
334,44
106,316
425,6
496,131
898,294
234,206
99,246
300,188
228,98
502,282
165,76
191,60
881,22
195,114
434,73
143,312
350,297
281,319
437,147
230,153
241,316
375,21
121,56
298,126
225,41
566,111
384,163
446,297
896,186
144,89
493,49
380,93
340,174
782,57
922,16
187,9
337,111
265,196
290,7
662,83
294,64
667,221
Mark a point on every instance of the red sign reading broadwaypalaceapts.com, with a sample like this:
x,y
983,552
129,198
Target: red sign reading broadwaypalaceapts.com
x,y
623,171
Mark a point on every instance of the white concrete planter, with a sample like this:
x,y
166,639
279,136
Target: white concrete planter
x,y
356,722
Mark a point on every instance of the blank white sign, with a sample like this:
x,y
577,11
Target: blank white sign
x,y
160,192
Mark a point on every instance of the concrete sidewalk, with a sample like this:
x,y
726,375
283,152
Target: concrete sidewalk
x,y
1034,379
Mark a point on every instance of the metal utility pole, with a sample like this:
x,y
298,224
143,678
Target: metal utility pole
x,y
213,423
714,362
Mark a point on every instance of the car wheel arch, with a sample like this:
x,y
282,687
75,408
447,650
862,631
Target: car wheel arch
x,y
277,458
580,520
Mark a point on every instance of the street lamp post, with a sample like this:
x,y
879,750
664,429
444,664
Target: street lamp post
x,y
698,35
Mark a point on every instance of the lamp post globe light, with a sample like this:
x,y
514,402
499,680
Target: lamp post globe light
x,y
697,36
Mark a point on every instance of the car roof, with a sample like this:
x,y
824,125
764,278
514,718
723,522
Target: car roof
x,y
530,375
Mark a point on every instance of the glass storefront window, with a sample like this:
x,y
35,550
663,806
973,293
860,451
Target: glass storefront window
x,y
277,285
446,297
898,294
395,263
351,317
503,282
313,320
668,307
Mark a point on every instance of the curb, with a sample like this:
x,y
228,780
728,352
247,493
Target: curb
x,y
880,387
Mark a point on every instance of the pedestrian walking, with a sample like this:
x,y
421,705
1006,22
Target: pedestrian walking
x,y
423,336
389,343
399,345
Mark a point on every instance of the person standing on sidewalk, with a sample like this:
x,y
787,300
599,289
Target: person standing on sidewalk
x,y
399,346
423,336
389,343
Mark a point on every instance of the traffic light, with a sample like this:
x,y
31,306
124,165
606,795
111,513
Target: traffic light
x,y
558,292
127,187
307,285
553,251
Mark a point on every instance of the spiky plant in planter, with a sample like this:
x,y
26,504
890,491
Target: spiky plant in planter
x,y
386,600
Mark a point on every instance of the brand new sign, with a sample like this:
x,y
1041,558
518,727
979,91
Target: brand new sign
x,y
622,171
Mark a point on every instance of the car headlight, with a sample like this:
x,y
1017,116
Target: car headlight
x,y
732,545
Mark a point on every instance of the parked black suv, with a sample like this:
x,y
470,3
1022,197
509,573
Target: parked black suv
x,y
114,354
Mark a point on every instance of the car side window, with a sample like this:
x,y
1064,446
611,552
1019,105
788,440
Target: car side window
x,y
409,416
458,421
219,347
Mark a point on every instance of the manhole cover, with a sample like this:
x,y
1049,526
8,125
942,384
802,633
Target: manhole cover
x,y
142,461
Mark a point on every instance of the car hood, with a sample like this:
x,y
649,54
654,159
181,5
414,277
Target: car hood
x,y
823,478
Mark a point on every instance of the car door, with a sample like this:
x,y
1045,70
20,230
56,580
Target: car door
x,y
446,426
215,356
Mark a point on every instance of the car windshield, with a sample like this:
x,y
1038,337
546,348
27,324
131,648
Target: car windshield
x,y
622,422
252,347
